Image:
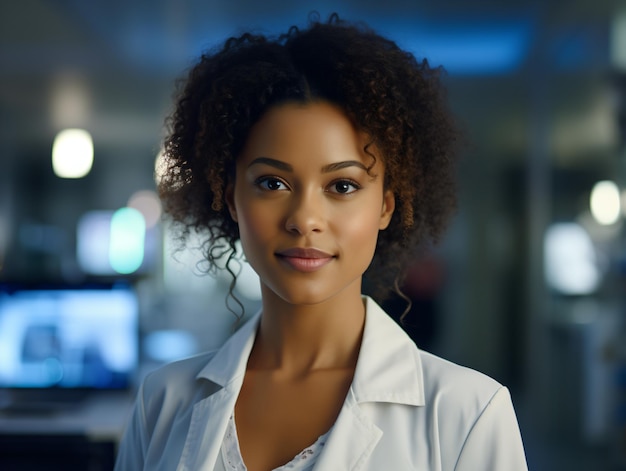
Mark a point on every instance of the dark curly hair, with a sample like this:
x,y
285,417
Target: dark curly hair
x,y
395,99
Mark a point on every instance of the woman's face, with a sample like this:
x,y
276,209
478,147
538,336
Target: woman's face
x,y
308,211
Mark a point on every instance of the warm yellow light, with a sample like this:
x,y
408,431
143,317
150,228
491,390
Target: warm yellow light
x,y
72,153
605,202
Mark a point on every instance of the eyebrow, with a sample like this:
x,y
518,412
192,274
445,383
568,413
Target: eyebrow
x,y
279,164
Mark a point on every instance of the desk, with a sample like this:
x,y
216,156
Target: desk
x,y
83,436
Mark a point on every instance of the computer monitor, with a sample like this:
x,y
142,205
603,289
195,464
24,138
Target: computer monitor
x,y
68,337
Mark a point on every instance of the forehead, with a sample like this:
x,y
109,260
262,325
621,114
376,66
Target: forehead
x,y
311,132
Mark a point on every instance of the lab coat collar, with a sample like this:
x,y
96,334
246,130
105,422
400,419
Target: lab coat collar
x,y
388,369
230,361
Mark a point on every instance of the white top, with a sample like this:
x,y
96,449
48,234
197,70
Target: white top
x,y
231,459
405,410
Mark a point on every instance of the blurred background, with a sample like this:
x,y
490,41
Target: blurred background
x,y
528,285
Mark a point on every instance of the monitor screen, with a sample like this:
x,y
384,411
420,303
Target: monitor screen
x,y
68,337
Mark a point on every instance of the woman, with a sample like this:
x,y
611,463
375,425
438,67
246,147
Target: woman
x,y
328,153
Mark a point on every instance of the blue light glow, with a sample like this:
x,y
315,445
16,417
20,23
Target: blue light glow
x,y
570,263
468,48
128,233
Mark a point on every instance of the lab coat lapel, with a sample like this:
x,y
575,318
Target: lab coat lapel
x,y
352,440
210,414
388,371
206,429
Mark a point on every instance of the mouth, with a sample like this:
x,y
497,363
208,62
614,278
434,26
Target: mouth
x,y
305,259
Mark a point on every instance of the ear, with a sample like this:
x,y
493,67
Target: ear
x,y
229,197
389,204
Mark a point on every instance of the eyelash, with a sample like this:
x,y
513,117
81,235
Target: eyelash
x,y
352,183
263,181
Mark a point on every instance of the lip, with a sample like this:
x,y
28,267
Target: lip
x,y
305,259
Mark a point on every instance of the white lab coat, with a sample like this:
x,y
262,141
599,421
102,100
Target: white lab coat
x,y
405,410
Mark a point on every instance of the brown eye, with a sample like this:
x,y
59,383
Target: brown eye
x,y
271,184
344,187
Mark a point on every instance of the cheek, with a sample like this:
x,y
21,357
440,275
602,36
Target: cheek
x,y
252,225
248,217
360,232
256,229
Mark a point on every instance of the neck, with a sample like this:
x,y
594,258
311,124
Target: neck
x,y
299,339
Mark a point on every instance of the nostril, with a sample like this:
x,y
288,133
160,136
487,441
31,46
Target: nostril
x,y
291,227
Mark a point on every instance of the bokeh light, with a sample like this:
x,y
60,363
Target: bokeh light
x,y
147,203
128,233
72,153
605,202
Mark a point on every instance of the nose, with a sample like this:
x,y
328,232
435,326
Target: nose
x,y
306,214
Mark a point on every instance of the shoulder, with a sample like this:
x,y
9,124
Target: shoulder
x,y
463,401
392,366
446,380
411,371
475,416
454,394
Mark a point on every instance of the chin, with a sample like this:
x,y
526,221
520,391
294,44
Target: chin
x,y
305,299
312,295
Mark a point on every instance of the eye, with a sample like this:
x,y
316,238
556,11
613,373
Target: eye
x,y
344,187
271,184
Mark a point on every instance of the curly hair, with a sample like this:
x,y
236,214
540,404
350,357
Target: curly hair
x,y
395,99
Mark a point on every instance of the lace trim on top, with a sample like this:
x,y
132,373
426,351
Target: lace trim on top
x,y
303,461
